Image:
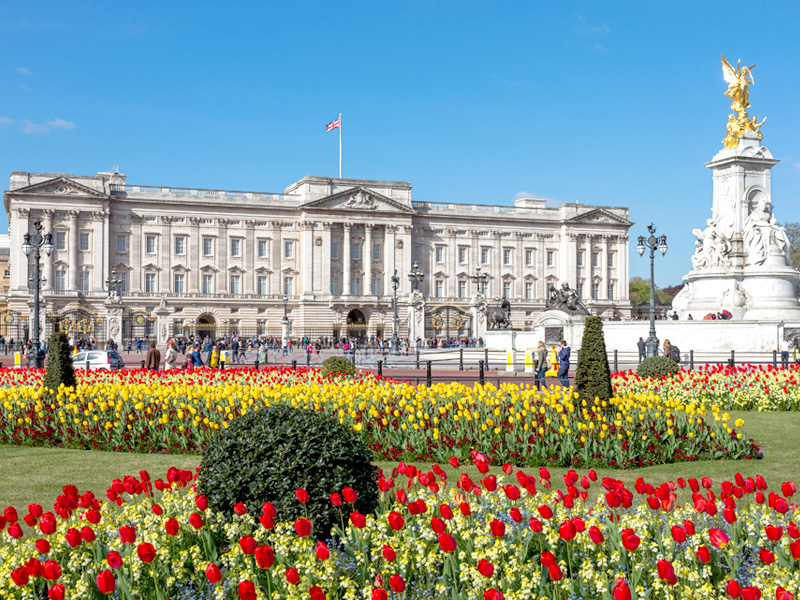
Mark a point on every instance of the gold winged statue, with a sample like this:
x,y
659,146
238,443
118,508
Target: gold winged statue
x,y
739,80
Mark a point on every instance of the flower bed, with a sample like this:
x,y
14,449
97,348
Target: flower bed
x,y
511,536
745,387
178,412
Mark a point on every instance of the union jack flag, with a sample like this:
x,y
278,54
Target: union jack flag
x,y
334,124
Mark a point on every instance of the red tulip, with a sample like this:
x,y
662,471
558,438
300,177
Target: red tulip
x,y
688,527
201,501
303,527
666,572
240,509
782,594
196,521
127,534
397,584
719,539
621,590
729,515
42,546
447,543
106,582
157,510
751,592
465,509
336,499
774,532
10,514
358,520
247,544
515,514
792,530
446,511
567,531
213,573
247,590
794,548
146,552
322,551
316,593
51,570
87,533
437,524
703,555
535,525
93,516
596,535
379,594
171,526
73,537
302,495
292,576
493,594
265,557
114,559
46,525
732,587
56,592
396,520
498,528
20,576
548,559
34,567
630,540
554,571
766,556
349,494
485,568
388,553
545,511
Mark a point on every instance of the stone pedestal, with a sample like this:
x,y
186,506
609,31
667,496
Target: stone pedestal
x,y
114,311
741,262
416,319
477,309
163,323
500,339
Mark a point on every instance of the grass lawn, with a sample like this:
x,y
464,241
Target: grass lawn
x,y
38,474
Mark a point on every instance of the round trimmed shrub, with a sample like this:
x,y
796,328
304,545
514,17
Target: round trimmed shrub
x,y
657,366
338,365
266,455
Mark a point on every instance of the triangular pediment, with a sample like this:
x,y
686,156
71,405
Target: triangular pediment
x,y
600,215
59,186
359,199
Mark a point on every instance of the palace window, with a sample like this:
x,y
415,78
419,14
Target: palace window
x,y
355,286
83,280
551,257
262,248
484,256
334,250
506,289
150,244
579,290
288,285
178,280
610,262
261,285
484,287
415,252
122,244
376,252
150,283
439,254
235,281
462,289
610,291
529,258
528,290
180,245
83,242
60,279
236,247
288,250
579,259
208,283
439,288
462,255
123,281
595,291
335,285
377,285
506,256
355,250
595,259
61,240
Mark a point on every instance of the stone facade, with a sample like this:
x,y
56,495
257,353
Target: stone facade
x,y
322,253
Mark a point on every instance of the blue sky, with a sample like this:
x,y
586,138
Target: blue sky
x,y
613,103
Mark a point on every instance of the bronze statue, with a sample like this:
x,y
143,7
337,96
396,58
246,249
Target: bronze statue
x,y
499,317
565,299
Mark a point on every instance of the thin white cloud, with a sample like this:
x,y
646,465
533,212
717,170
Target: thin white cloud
x,y
61,124
31,127
24,88
6,121
795,165
25,71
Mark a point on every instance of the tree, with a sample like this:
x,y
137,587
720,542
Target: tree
x,y
593,377
639,291
793,232
59,364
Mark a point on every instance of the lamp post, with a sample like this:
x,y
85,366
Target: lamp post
x,y
112,283
416,276
479,278
652,242
395,282
285,323
285,310
34,242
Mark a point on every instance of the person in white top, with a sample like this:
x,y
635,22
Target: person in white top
x,y
785,346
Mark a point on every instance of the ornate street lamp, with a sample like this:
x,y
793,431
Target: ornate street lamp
x,y
416,276
395,282
34,242
285,310
113,284
652,242
479,279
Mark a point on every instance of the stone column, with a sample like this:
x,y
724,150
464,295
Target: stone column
x,y
404,265
451,285
137,256
325,259
367,258
476,256
249,275
604,266
98,252
622,267
194,248
275,283
74,234
497,265
346,254
307,259
221,252
47,261
19,227
163,323
519,265
165,256
541,261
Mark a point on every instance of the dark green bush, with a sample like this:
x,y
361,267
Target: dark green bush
x,y
267,454
338,364
59,364
593,376
657,366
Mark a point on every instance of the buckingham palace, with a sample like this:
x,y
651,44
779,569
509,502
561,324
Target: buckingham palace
x,y
326,255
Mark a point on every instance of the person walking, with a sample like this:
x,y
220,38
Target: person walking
x,y
642,348
563,364
153,359
171,357
785,347
234,350
541,364
197,359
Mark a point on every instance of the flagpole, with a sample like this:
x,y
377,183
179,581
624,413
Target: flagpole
x,y
340,145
